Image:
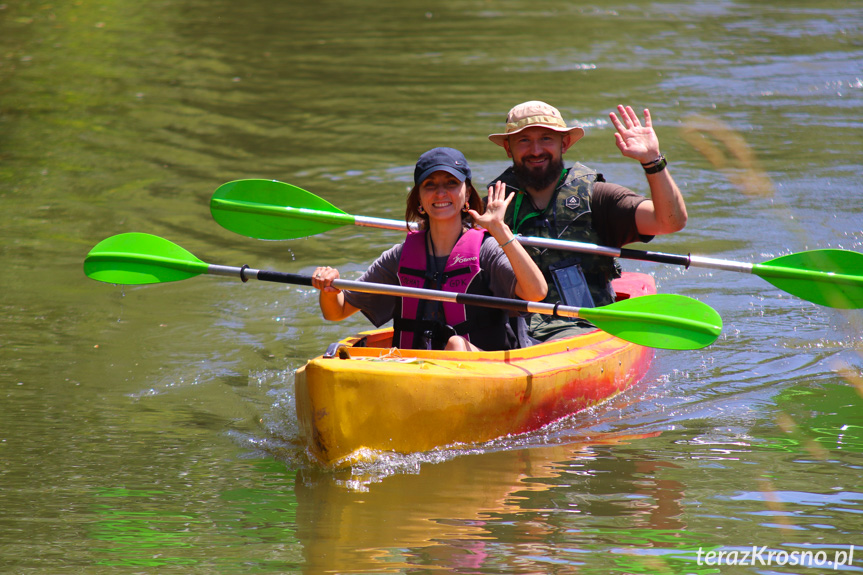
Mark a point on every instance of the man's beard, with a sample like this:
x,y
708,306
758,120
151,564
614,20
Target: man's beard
x,y
538,179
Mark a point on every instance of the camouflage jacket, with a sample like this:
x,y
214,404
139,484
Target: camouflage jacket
x,y
567,217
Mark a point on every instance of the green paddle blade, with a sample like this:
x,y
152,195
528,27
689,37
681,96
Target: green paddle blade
x,y
134,258
271,210
664,321
832,278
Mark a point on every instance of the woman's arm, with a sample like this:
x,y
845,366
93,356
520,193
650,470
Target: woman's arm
x,y
332,300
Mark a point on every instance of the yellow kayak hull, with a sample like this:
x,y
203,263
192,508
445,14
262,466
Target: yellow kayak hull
x,y
370,398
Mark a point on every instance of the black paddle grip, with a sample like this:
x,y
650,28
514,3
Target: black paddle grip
x,y
658,257
492,302
284,278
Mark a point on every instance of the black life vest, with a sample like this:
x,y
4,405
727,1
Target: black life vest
x,y
567,217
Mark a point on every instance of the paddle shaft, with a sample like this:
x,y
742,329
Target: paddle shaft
x,y
657,320
642,255
687,261
595,315
565,245
256,208
767,272
246,273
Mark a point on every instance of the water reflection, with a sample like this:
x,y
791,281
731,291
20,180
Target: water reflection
x,y
158,528
820,419
454,512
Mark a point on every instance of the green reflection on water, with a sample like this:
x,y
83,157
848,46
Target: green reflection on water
x,y
648,537
134,534
142,531
819,419
656,565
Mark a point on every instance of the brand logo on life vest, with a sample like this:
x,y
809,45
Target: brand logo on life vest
x,y
457,259
571,202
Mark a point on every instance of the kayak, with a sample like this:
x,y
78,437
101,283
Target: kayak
x,y
363,397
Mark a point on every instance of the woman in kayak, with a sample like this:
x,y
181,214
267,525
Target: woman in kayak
x,y
460,247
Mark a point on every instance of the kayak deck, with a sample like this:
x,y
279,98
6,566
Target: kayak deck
x,y
365,397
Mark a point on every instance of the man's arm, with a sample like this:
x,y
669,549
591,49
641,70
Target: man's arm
x,y
665,212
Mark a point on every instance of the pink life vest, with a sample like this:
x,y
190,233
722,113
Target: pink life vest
x,y
462,267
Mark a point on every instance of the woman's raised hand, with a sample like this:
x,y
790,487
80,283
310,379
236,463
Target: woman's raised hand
x,y
495,208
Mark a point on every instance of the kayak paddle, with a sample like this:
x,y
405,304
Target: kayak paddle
x,y
662,321
272,210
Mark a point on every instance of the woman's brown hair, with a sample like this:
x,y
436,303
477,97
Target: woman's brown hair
x,y
412,212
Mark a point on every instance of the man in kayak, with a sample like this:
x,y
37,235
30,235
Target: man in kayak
x,y
577,204
461,246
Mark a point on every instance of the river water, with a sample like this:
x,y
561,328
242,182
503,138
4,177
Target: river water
x,y
151,429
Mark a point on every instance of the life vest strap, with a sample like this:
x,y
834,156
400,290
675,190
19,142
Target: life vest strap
x,y
439,333
425,274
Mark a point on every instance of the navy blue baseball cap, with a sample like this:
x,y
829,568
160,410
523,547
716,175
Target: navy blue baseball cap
x,y
446,159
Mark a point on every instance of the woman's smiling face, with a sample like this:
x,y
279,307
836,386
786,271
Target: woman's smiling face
x,y
442,195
